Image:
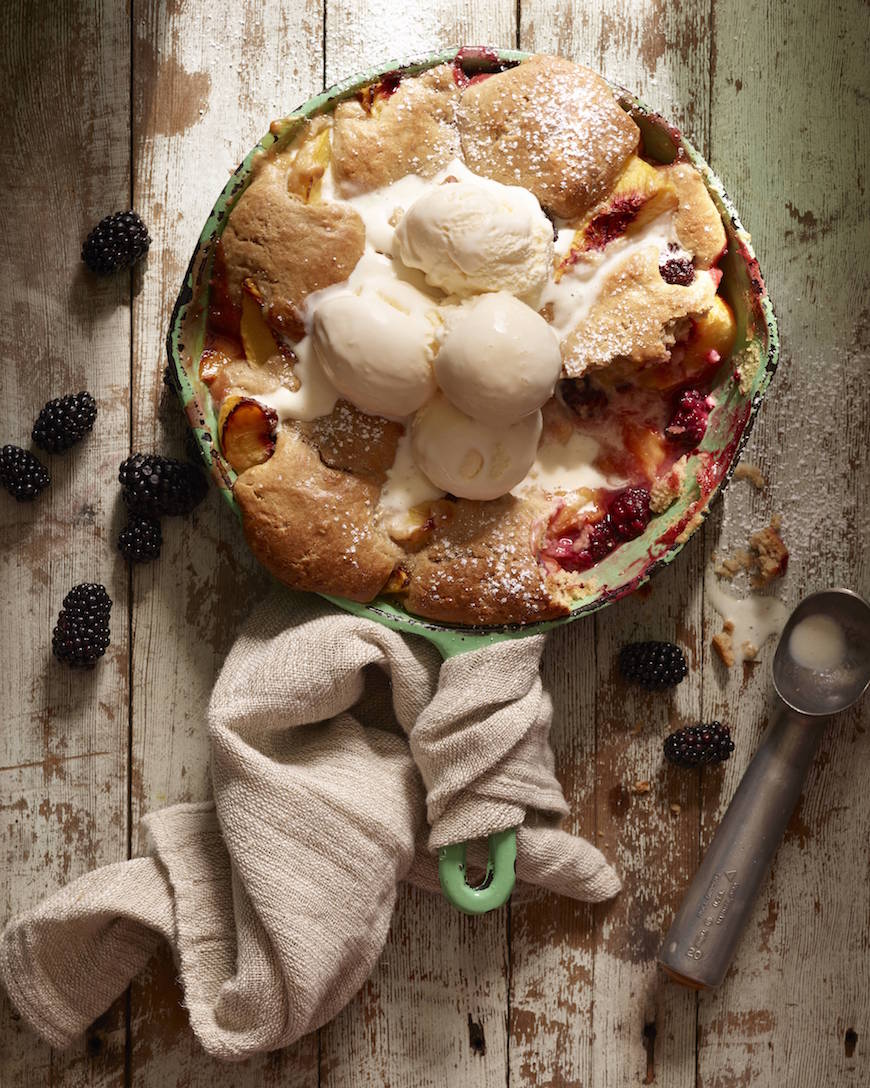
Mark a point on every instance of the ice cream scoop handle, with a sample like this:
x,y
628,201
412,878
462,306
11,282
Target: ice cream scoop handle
x,y
703,937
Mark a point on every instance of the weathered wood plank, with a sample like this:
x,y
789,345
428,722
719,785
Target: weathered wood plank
x,y
434,1010
207,81
789,136
64,161
795,1008
614,1021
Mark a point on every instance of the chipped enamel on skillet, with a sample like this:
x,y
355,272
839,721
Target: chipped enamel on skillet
x,y
634,562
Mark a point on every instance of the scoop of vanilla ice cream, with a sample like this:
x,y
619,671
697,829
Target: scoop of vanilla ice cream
x,y
468,458
469,236
499,359
376,345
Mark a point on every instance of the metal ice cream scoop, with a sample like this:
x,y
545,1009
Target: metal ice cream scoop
x,y
821,667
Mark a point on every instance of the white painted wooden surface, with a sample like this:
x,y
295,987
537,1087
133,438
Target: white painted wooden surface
x,y
550,993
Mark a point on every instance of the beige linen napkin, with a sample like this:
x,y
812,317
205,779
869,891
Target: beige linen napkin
x,y
277,896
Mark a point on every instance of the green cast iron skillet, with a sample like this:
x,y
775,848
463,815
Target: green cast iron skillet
x,y
756,350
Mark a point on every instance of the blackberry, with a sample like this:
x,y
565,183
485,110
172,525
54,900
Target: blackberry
x,y
601,540
22,474
689,421
678,270
699,744
82,632
64,421
653,665
117,241
629,512
140,539
155,486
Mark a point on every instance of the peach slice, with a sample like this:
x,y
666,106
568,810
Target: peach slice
x,y
247,431
711,340
714,331
211,363
646,446
309,165
641,193
257,338
414,531
398,581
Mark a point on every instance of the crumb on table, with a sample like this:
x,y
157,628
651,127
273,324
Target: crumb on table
x,y
766,558
733,564
752,473
771,554
723,644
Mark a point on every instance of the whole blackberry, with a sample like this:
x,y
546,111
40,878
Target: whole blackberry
x,y
155,486
117,241
82,632
140,539
689,421
699,744
629,512
64,421
653,665
22,474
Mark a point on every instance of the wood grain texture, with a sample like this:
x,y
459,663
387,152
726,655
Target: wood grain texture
x,y
64,159
790,89
550,993
636,1028
208,79
434,1011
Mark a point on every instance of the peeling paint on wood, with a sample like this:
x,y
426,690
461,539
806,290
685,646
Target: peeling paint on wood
x,y
549,993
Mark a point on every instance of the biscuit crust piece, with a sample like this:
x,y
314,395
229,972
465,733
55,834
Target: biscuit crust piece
x,y
637,316
352,441
413,131
482,567
697,223
313,526
551,126
288,248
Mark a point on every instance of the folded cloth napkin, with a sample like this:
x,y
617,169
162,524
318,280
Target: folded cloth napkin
x,y
277,895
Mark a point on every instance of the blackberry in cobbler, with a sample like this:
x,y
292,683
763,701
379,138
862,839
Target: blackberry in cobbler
x,y
629,512
689,421
677,267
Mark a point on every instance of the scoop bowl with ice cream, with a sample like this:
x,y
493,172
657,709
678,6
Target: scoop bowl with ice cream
x,y
443,245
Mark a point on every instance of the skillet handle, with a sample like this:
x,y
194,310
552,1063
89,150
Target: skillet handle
x,y
498,883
